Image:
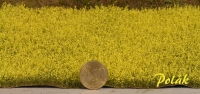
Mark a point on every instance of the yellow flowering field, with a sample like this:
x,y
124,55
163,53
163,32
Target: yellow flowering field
x,y
148,48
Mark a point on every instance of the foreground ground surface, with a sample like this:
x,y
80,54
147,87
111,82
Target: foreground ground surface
x,y
100,91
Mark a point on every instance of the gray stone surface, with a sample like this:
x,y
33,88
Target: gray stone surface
x,y
100,91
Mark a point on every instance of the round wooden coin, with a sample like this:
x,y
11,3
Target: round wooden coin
x,y
93,75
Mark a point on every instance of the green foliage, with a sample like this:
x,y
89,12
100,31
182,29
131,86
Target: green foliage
x,y
136,4
49,45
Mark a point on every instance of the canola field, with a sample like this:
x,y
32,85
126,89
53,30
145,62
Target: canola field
x,y
48,46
